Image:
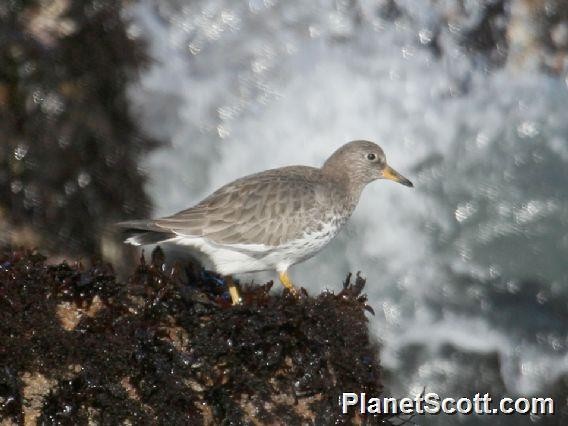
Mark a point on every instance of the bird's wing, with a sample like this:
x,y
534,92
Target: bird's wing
x,y
268,208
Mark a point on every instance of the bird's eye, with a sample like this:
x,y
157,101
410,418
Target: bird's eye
x,y
371,157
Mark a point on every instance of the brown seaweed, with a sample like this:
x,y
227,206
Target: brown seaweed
x,y
168,348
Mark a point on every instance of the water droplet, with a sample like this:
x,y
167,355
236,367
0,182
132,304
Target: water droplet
x,y
20,152
195,47
37,96
70,188
16,186
481,139
425,36
83,179
527,129
407,52
464,211
223,132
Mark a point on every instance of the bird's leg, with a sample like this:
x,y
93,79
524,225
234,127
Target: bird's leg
x,y
287,282
233,291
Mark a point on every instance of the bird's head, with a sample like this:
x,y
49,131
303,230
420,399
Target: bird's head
x,y
362,162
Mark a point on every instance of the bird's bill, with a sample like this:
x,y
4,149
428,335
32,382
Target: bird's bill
x,y
392,174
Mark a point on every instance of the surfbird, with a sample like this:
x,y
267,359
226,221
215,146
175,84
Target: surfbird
x,y
272,219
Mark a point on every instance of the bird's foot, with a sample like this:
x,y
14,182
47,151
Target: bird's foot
x,y
227,281
233,291
287,282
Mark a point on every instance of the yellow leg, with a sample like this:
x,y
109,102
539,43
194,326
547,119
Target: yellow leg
x,y
233,291
287,282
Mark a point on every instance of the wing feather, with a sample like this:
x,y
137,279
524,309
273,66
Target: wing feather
x,y
269,208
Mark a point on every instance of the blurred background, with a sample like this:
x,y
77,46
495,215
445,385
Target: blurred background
x,y
115,110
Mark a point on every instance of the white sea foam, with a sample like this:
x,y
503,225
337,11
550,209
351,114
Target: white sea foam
x,y
239,87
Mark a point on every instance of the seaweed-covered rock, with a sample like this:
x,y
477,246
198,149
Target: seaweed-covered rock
x,y
168,348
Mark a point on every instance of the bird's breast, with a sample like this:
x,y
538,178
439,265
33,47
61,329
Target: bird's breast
x,y
312,240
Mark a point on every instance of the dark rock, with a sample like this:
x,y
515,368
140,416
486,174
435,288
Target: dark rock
x,y
70,150
82,347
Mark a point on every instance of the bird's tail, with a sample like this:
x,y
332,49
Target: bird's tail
x,y
143,232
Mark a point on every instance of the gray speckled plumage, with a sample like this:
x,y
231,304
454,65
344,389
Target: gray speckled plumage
x,y
279,209
271,208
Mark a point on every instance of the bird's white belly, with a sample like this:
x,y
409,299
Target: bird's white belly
x,y
239,258
301,249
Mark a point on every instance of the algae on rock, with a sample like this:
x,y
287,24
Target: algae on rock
x,y
168,347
